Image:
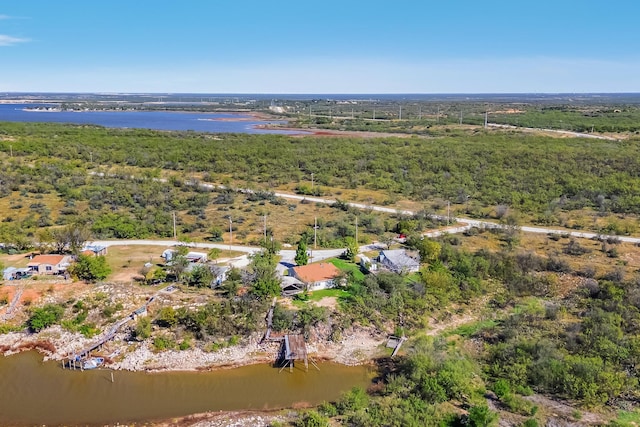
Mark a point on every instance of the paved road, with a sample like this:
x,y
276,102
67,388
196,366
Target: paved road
x,y
468,221
320,254
451,230
221,246
562,132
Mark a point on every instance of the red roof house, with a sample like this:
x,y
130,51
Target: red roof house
x,y
49,264
316,276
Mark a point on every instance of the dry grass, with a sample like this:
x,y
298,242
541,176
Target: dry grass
x,y
127,261
628,259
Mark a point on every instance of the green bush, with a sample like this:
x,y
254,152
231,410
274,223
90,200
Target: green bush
x,y
45,316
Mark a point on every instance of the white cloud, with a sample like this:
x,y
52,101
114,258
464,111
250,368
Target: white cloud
x,y
4,17
9,41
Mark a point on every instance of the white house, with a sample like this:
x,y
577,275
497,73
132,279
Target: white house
x,y
398,261
13,273
367,263
169,254
220,276
316,276
49,264
196,257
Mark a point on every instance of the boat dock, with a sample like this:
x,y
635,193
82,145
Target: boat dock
x,y
75,360
294,348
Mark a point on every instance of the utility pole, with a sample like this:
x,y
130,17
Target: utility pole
x,y
460,117
265,228
356,231
309,111
315,231
448,212
175,234
374,114
230,232
486,119
11,149
311,181
420,113
438,115
400,114
91,156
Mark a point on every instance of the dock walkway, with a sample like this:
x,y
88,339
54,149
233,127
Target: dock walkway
x,y
12,306
111,333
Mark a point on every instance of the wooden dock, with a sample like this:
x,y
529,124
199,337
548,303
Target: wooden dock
x,y
295,348
395,343
12,306
111,333
269,319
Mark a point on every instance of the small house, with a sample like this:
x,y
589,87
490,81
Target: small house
x,y
316,276
168,254
49,264
398,261
368,264
196,257
94,250
220,276
13,273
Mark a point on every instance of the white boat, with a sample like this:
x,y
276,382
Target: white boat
x,y
93,363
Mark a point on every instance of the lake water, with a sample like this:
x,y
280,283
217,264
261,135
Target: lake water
x,y
34,392
159,120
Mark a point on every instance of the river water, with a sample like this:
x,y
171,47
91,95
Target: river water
x,y
159,120
36,392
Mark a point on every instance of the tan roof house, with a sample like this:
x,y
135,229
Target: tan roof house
x,y
49,264
316,276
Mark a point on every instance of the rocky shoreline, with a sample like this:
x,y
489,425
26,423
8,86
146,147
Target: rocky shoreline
x,y
359,346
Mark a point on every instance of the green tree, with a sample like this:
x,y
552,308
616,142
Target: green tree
x,y
301,253
167,317
353,400
429,249
179,262
265,278
143,328
45,316
481,416
312,419
71,237
90,268
216,234
352,249
214,253
200,277
271,246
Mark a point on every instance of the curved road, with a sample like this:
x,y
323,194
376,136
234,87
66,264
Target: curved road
x,y
320,254
468,221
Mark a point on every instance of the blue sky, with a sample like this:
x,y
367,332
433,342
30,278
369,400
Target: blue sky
x,y
347,46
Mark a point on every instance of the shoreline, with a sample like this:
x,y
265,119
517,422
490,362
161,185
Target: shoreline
x,y
359,347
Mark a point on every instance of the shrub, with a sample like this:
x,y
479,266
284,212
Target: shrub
x,y
45,316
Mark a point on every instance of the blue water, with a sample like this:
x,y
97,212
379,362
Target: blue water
x,y
159,120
